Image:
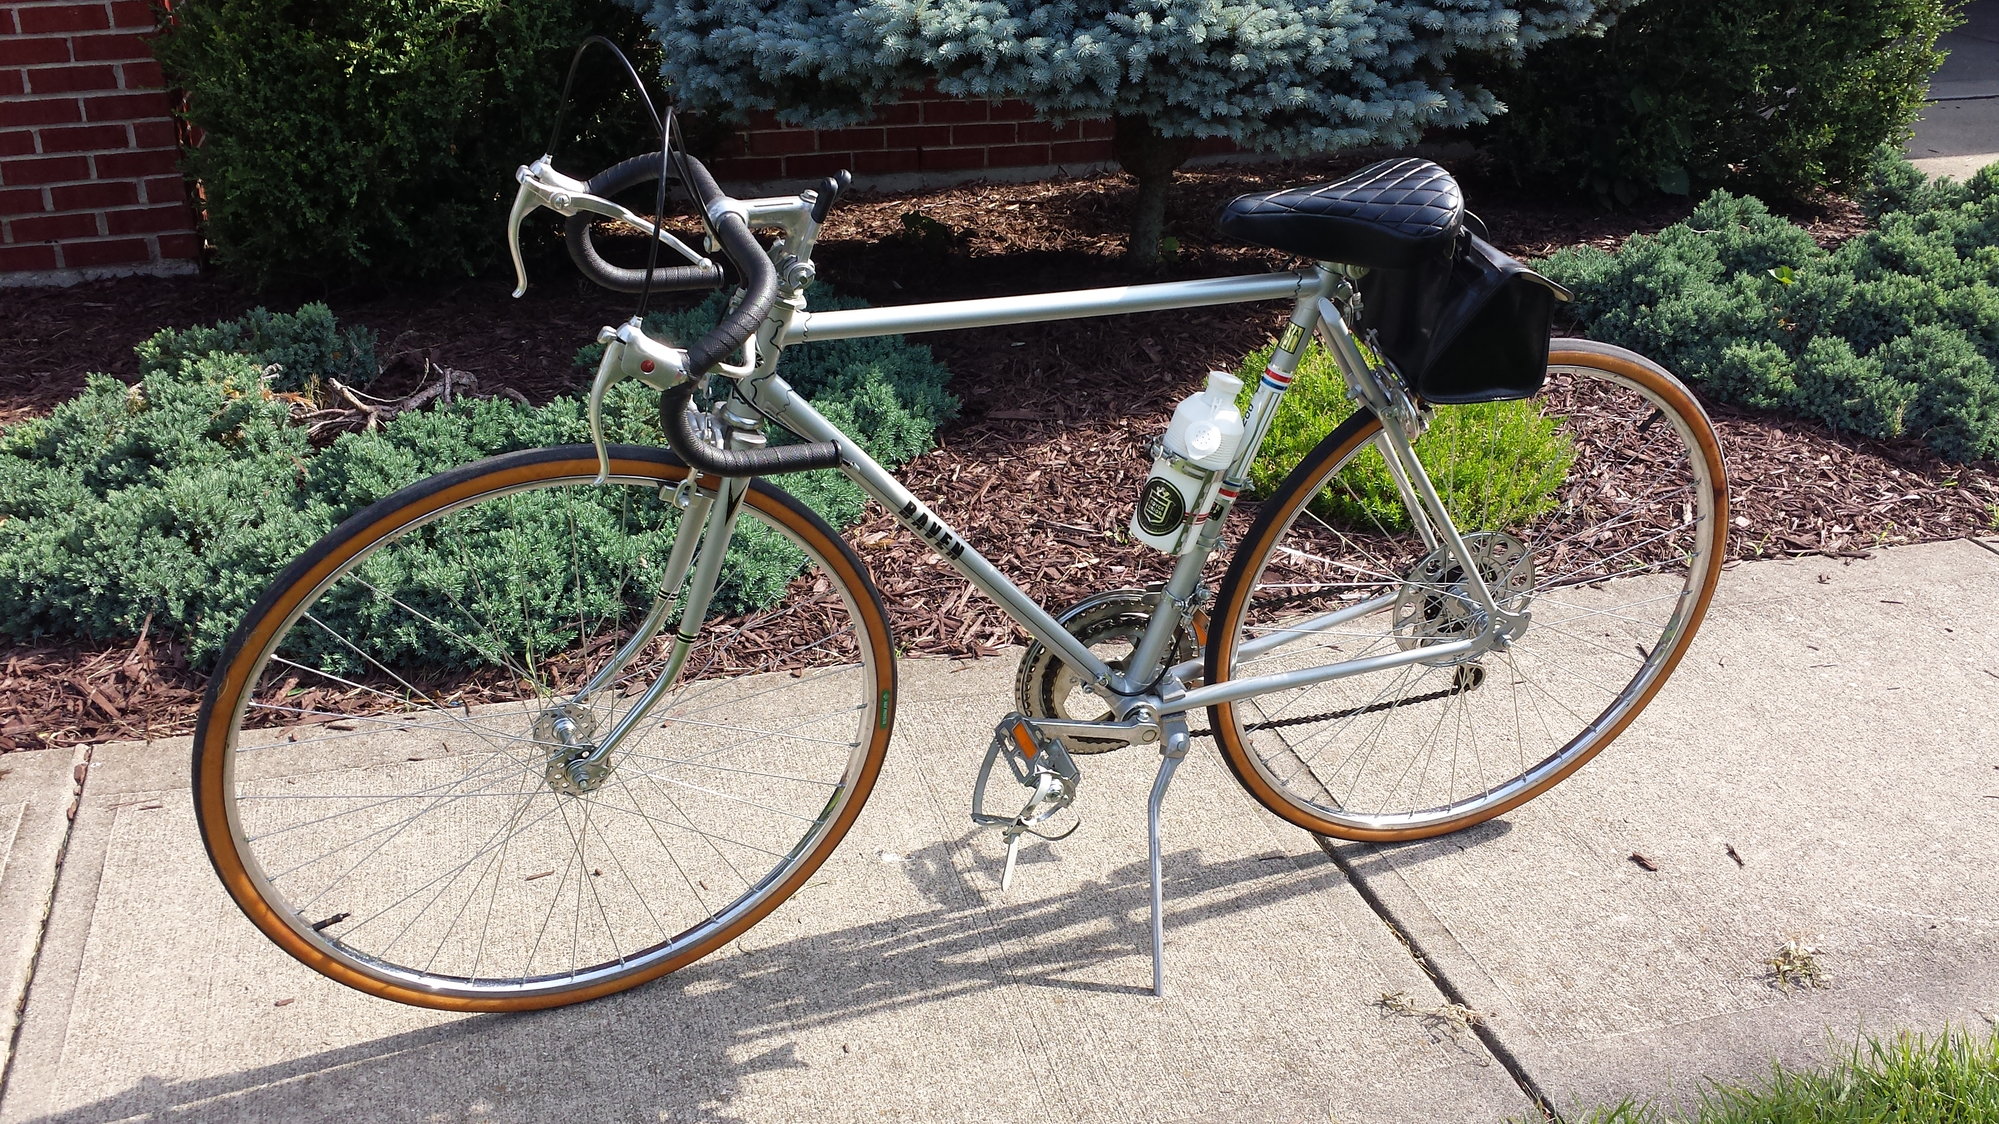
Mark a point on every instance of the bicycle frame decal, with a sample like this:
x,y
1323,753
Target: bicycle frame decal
x,y
925,522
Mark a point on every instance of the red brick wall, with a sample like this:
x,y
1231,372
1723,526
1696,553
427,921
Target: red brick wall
x,y
88,148
926,132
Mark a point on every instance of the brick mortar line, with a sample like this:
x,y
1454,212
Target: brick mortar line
x,y
35,67
79,33
112,209
88,155
95,151
71,64
1506,1058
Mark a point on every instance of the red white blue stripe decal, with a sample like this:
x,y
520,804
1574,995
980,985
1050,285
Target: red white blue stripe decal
x,y
1275,380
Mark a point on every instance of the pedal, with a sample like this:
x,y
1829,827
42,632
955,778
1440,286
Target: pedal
x,y
1041,765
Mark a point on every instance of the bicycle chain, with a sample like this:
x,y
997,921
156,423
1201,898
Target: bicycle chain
x,y
1456,688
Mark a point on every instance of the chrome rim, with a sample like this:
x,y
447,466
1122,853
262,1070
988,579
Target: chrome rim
x,y
391,799
1618,557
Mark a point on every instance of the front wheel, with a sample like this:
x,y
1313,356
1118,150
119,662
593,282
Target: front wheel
x,y
394,766
1598,509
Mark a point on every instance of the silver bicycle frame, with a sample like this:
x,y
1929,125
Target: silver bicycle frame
x,y
1317,294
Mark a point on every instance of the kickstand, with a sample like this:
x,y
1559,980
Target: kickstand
x,y
1170,756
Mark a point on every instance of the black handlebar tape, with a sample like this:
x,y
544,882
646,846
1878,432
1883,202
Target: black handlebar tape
x,y
617,278
759,294
676,416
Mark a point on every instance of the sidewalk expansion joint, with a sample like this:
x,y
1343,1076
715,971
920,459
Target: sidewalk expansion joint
x,y
1486,1035
79,775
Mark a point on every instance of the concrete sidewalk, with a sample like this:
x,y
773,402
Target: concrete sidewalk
x,y
1957,133
1836,725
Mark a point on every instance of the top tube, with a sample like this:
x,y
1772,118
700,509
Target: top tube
x,y
1033,308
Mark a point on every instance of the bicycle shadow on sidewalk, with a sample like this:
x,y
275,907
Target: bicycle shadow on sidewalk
x,y
685,1047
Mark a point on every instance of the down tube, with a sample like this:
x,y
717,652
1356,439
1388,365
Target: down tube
x,y
780,403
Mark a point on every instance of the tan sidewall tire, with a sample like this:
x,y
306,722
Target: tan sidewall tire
x,y
212,736
1340,444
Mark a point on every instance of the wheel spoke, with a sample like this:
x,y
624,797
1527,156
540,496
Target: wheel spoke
x,y
1607,569
505,857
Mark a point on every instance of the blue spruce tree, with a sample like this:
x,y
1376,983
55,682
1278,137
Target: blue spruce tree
x,y
1292,76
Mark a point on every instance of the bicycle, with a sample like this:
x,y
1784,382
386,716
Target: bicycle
x,y
426,788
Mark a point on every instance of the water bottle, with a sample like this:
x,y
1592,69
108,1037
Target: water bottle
x,y
1187,471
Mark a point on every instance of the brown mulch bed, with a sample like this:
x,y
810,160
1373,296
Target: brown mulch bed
x,y
1037,471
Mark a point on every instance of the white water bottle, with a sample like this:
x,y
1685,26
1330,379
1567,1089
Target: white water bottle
x,y
1199,444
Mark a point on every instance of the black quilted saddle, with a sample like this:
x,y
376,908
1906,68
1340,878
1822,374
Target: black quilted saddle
x,y
1395,214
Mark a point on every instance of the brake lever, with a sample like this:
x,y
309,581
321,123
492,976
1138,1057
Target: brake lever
x,y
540,184
628,354
543,186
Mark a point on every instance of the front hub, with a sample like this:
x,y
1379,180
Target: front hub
x,y
576,763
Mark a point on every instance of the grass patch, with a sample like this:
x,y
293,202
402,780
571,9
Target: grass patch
x,y
1949,1078
1497,464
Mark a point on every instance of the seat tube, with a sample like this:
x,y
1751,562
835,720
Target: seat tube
x,y
1149,656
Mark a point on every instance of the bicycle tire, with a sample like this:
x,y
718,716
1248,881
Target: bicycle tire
x,y
1625,551
373,854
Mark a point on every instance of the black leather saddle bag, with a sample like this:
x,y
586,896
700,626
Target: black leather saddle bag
x,y
1468,327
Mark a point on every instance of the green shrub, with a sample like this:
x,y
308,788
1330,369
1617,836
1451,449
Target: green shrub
x,y
1895,332
1776,97
376,139
180,499
304,346
1518,459
176,499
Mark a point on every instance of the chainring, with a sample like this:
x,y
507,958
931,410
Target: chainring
x,y
1110,625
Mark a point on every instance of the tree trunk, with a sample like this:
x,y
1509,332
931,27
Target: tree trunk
x,y
1151,159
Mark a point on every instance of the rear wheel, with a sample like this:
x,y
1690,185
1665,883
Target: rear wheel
x,y
1608,533
393,774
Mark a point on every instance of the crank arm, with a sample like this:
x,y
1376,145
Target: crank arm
x,y
1129,732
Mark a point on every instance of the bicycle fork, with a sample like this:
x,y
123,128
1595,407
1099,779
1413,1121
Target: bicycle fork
x,y
578,760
